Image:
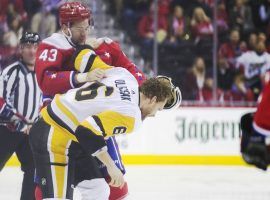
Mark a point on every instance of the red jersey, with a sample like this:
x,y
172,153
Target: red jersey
x,y
55,70
110,52
262,116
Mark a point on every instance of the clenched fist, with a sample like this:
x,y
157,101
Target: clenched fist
x,y
94,75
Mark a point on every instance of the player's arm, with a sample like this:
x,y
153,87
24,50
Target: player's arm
x,y
86,60
88,65
119,59
51,77
94,144
92,131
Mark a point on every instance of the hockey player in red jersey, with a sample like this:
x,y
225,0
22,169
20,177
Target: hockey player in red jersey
x,y
56,73
255,142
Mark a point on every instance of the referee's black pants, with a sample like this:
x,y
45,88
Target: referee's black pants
x,y
17,142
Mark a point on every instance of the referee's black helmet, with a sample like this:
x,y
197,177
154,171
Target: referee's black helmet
x,y
29,37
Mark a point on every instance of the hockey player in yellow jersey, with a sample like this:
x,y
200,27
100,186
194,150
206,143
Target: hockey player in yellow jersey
x,y
77,122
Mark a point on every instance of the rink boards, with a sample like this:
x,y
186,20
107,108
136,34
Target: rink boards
x,y
188,135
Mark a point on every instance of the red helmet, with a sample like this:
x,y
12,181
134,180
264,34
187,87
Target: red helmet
x,y
73,11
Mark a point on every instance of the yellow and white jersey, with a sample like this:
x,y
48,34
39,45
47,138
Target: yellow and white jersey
x,y
106,108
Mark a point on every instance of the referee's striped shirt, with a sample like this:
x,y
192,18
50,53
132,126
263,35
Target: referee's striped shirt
x,y
19,88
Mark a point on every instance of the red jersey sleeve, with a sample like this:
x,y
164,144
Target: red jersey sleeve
x,y
119,59
52,71
262,114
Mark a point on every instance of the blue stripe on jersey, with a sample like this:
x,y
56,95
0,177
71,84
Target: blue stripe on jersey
x,y
113,150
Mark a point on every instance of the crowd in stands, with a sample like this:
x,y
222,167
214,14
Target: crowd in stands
x,y
185,37
17,16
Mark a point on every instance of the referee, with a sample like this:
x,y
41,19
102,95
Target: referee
x,y
20,99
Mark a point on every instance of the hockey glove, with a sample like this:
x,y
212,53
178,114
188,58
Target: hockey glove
x,y
254,150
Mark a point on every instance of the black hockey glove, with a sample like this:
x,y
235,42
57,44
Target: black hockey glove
x,y
255,152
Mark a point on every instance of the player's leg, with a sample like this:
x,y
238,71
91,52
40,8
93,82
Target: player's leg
x,y
25,157
55,179
89,180
53,166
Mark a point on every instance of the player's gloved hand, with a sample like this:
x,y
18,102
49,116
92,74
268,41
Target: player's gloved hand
x,y
117,178
255,151
256,154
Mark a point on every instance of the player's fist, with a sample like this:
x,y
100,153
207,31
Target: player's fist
x,y
95,75
117,178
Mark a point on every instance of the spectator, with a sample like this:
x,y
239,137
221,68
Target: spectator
x,y
231,49
206,95
225,75
252,41
146,24
252,63
177,25
146,30
11,37
260,13
131,13
44,27
261,37
222,18
164,7
195,77
239,90
241,17
190,5
201,25
31,7
3,11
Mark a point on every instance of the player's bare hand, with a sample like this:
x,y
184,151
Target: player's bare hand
x,y
95,75
117,177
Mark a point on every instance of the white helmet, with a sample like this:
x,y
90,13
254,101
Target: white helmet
x,y
176,94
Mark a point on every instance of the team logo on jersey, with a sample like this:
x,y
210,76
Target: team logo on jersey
x,y
43,181
139,74
119,130
107,54
53,75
